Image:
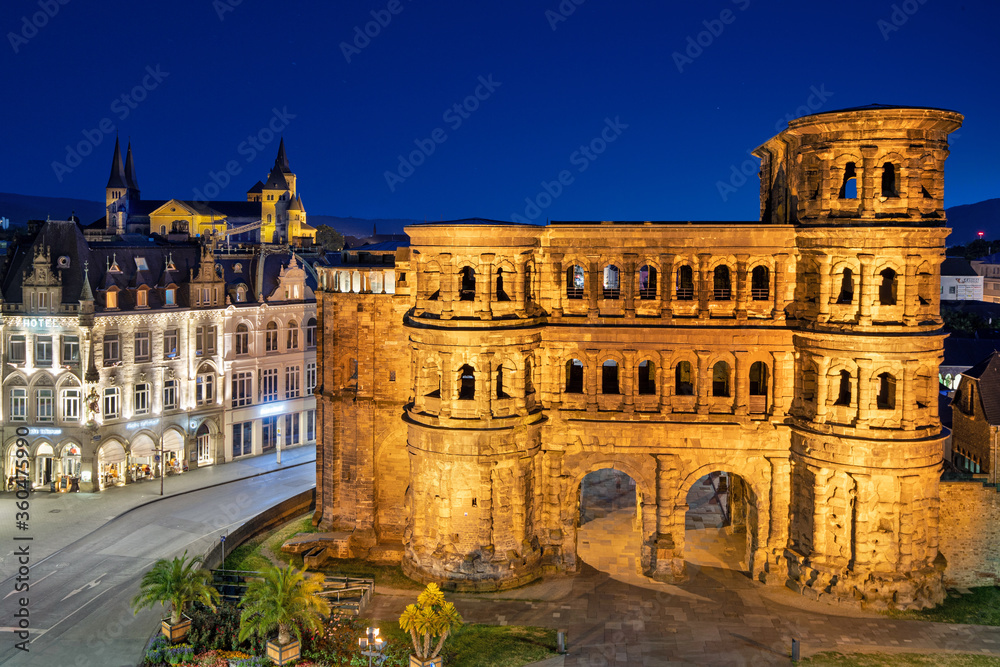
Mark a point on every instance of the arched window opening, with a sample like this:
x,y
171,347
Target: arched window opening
x,y
574,376
271,337
574,282
720,379
849,188
612,282
609,377
501,294
502,379
886,399
683,380
889,187
467,290
758,379
647,283
846,287
760,283
887,290
685,283
527,283
467,388
722,283
242,339
844,389
647,378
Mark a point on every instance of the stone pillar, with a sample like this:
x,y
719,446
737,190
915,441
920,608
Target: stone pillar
x,y
703,283
591,378
866,292
447,383
778,310
626,379
825,288
666,286
594,283
864,392
669,556
558,292
742,392
629,269
484,288
908,395
911,300
518,278
866,183
448,289
822,388
703,382
742,291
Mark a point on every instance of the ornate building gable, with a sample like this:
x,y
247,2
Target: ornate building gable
x,y
42,285
291,283
207,288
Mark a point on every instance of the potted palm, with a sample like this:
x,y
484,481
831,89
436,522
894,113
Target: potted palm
x,y
430,618
177,582
287,599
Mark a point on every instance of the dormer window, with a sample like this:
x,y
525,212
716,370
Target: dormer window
x,y
170,296
142,297
111,298
114,268
140,264
237,268
241,294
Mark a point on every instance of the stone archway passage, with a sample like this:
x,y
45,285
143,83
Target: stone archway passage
x,y
720,522
609,537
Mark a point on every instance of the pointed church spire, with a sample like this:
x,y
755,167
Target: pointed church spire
x,y
130,180
85,292
117,177
281,162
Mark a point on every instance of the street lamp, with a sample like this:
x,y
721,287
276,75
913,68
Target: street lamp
x,y
374,645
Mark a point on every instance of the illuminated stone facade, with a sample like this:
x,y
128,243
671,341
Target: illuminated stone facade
x,y
466,393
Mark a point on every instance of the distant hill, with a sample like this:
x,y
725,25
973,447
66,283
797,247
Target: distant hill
x,y
968,220
21,208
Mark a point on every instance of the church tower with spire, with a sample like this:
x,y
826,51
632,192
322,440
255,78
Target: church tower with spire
x,y
277,194
122,189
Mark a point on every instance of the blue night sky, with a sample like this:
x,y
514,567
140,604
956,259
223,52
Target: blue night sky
x,y
682,117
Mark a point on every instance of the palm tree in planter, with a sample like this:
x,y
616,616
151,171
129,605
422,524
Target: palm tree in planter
x,y
431,617
288,599
177,582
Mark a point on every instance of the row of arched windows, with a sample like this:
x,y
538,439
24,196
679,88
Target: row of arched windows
x,y
242,338
684,288
684,378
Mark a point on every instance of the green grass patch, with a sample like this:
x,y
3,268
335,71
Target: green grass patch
x,y
834,659
251,554
980,607
476,645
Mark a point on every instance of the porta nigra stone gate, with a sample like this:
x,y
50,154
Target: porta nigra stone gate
x,y
468,389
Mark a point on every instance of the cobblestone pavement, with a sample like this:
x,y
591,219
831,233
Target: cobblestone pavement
x,y
615,616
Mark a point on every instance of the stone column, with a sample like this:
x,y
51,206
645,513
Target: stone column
x,y
484,288
593,285
518,277
447,289
703,382
669,557
911,300
447,383
822,388
666,285
908,395
558,292
626,379
742,393
592,378
703,283
864,392
742,291
629,269
866,293
825,287
778,297
866,183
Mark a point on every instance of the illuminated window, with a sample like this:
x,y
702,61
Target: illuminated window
x,y
43,350
141,346
170,343
17,348
44,405
70,349
142,297
269,433
271,337
574,282
70,404
611,286
242,339
291,429
311,377
293,335
112,402
19,404
170,296
204,388
112,350
292,376
140,398
269,384
111,298
241,294
170,395
242,389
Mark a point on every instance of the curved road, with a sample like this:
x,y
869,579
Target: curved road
x,y
79,597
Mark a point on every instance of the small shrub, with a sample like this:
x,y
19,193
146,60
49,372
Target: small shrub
x,y
175,655
154,650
